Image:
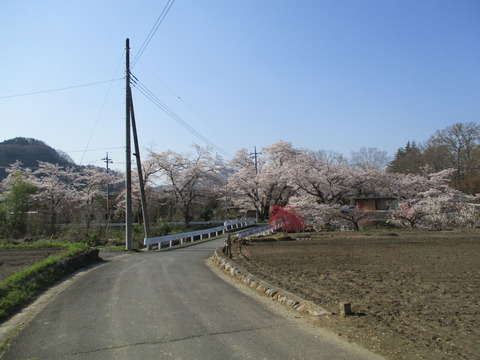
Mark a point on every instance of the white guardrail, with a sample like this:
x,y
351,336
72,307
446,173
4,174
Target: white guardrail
x,y
182,238
259,230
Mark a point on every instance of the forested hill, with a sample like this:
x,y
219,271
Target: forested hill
x,y
29,152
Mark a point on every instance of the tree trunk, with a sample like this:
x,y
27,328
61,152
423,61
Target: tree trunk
x,y
186,214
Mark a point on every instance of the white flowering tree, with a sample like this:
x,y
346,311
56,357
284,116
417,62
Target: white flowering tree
x,y
90,184
56,187
190,178
264,185
325,182
428,201
324,186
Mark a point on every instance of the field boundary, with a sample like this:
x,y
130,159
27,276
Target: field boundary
x,y
264,288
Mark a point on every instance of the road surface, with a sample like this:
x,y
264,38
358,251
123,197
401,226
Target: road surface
x,y
168,305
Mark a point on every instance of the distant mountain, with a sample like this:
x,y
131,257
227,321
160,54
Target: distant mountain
x,y
29,152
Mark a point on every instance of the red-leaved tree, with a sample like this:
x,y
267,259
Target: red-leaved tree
x,y
286,219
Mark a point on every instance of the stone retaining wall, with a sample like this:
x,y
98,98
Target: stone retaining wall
x,y
282,296
78,261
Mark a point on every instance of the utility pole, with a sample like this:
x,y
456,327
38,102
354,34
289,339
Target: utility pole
x,y
128,157
108,161
130,121
254,155
146,221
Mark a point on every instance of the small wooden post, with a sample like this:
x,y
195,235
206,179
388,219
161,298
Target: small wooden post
x,y
345,309
228,245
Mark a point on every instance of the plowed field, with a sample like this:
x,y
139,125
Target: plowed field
x,y
13,260
414,294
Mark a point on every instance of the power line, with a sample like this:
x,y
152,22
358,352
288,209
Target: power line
x,y
154,29
159,103
102,149
58,89
101,108
188,105
152,97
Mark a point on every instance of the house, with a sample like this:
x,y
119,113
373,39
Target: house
x,y
373,202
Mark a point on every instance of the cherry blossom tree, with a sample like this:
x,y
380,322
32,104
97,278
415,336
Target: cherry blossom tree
x,y
189,177
66,193
428,201
161,204
466,215
275,171
369,159
328,217
56,190
357,217
324,182
265,185
407,214
322,189
153,193
90,185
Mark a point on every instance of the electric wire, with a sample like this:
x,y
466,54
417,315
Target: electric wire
x,y
154,29
101,109
179,120
159,103
60,89
189,106
89,150
152,97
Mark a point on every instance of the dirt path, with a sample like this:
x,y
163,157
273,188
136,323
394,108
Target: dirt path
x,y
415,294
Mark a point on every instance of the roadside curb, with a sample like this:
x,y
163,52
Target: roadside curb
x,y
275,293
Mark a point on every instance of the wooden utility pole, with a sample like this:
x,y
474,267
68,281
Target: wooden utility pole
x,y
255,156
107,161
128,157
130,121
146,222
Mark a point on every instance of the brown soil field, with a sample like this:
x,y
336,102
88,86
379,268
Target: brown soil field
x,y
13,260
414,294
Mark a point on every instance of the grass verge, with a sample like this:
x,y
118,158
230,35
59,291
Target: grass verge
x,y
21,288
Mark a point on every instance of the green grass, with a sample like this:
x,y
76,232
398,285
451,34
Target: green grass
x,y
22,287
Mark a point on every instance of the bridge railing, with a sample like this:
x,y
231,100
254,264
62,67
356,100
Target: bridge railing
x,y
210,222
183,238
238,223
259,230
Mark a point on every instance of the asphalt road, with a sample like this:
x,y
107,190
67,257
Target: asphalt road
x,y
168,305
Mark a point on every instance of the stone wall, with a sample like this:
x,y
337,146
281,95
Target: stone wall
x,y
282,296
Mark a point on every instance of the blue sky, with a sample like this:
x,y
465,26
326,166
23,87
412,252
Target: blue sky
x,y
332,75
